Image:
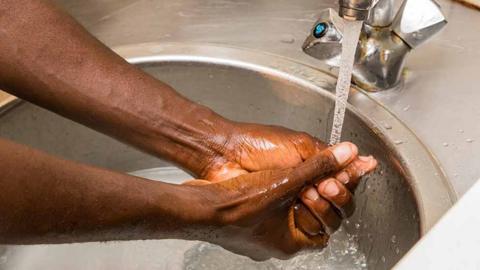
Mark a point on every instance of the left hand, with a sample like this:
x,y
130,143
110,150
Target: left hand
x,y
304,222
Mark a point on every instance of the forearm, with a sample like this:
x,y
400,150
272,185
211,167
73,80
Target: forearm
x,y
44,199
49,59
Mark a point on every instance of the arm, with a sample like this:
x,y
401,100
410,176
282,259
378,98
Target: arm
x,y
44,199
50,60
47,58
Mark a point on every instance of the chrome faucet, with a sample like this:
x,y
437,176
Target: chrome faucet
x,y
384,42
357,10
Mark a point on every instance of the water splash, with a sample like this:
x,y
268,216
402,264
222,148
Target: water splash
x,y
349,45
341,253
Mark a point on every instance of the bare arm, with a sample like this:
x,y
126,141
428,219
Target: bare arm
x,y
47,58
45,199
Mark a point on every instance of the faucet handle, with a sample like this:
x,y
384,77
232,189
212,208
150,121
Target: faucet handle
x,y
324,40
417,21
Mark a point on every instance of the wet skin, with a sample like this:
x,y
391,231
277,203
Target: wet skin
x,y
49,200
50,60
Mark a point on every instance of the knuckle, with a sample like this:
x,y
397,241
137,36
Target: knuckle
x,y
227,217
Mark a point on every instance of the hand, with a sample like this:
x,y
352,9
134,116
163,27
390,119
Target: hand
x,y
253,147
259,214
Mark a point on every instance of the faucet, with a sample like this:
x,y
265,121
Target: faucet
x,y
357,10
384,42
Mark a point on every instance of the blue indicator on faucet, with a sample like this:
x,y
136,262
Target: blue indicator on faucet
x,y
320,30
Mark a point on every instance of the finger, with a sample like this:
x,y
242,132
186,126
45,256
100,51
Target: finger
x,y
350,175
305,221
328,161
196,182
337,194
285,184
301,239
321,209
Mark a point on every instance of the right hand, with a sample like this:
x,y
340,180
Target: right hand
x,y
261,215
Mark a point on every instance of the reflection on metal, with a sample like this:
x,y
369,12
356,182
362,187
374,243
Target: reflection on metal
x,y
381,14
417,21
383,44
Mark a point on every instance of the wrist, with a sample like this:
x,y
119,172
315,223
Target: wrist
x,y
183,212
195,137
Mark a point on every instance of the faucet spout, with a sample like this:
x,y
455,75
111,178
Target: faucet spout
x,y
355,10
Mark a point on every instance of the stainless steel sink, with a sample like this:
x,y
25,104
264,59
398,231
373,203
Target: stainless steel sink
x,y
395,206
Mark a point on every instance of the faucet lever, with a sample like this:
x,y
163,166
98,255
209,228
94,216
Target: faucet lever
x,y
381,14
417,21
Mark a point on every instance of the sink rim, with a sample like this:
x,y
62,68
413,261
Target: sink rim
x,y
434,196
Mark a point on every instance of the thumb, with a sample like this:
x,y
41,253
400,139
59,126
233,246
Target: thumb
x,y
325,163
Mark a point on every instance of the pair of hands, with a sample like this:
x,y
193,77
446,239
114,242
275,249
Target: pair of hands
x,y
270,186
276,190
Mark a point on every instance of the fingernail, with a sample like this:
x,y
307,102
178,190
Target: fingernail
x,y
344,152
373,162
364,158
331,189
343,177
311,194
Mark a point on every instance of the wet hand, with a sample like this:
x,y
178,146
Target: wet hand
x,y
253,147
261,215
322,206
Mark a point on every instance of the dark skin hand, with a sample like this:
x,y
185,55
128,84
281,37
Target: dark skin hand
x,y
48,200
50,60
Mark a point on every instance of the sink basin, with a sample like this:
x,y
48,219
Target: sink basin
x,y
395,206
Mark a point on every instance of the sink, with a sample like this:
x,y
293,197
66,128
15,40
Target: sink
x,y
396,205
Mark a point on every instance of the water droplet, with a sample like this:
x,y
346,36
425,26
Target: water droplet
x,y
398,142
394,238
469,140
445,144
417,35
406,108
397,250
461,131
357,225
383,259
287,39
387,126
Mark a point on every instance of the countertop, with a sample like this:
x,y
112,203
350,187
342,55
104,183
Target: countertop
x,y
438,101
446,246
